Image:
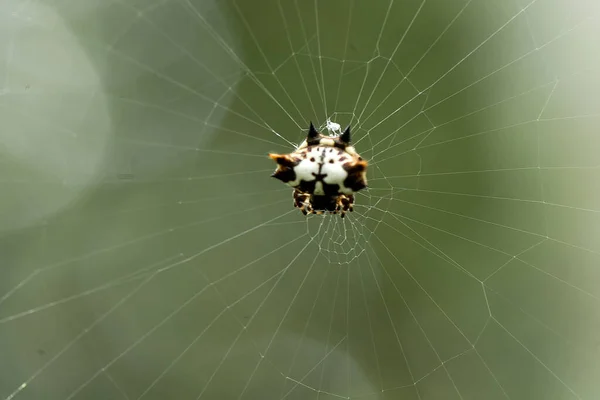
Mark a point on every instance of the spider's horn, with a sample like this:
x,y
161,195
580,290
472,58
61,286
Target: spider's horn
x,y
312,132
282,159
357,176
285,167
345,137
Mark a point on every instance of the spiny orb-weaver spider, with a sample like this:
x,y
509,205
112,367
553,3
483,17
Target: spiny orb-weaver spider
x,y
324,171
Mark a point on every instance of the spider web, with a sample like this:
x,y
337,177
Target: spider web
x,y
147,254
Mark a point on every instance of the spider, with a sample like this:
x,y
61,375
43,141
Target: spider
x,y
324,171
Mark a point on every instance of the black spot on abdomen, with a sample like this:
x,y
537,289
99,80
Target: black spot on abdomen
x,y
324,203
285,175
307,187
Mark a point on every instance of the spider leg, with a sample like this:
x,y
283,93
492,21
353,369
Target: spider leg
x,y
307,207
302,201
344,204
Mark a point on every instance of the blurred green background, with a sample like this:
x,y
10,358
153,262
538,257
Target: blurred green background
x,y
146,254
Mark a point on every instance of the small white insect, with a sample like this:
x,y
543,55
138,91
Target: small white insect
x,y
333,128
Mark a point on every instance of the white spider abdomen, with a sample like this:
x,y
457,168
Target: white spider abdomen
x,y
322,165
335,173
305,171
